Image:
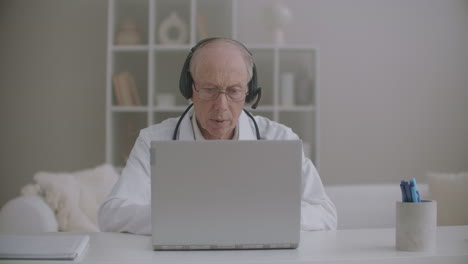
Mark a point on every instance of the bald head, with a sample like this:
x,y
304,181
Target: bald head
x,y
222,68
218,48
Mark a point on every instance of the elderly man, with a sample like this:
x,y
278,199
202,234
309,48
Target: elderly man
x,y
219,76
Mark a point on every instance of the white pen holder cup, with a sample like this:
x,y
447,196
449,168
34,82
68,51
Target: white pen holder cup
x,y
416,226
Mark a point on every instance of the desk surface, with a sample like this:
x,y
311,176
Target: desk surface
x,y
342,246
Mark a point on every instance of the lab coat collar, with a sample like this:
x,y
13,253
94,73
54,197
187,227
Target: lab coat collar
x,y
246,132
185,129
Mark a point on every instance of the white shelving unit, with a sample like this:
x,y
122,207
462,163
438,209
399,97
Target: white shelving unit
x,y
156,68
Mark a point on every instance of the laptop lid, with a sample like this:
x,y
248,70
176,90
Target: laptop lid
x,y
225,194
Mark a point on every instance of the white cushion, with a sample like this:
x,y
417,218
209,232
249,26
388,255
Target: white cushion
x,y
27,214
76,196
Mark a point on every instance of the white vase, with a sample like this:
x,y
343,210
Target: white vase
x,y
173,24
278,16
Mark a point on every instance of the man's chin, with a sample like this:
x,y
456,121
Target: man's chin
x,y
220,134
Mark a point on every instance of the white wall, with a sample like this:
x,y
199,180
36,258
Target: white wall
x,y
52,88
393,85
394,89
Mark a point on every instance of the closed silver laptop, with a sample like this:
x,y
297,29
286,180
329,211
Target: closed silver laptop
x,y
225,194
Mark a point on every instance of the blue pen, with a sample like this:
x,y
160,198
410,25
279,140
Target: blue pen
x,y
408,192
414,191
404,195
417,191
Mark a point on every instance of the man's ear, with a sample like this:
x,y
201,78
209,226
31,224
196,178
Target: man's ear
x,y
192,93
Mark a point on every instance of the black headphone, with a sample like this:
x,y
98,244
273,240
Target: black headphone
x,y
186,81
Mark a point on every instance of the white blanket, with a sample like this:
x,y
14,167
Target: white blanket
x,y
74,197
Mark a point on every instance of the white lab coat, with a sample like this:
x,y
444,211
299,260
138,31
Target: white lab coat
x,y
128,209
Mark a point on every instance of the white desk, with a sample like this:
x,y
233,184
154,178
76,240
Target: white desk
x,y
343,246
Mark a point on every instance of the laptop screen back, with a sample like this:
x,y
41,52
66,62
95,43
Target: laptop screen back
x,y
225,194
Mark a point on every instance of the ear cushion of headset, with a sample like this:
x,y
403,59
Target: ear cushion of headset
x,y
185,81
253,89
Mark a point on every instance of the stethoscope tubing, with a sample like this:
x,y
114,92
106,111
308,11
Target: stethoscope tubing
x,y
176,130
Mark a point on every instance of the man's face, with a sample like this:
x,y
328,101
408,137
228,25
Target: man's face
x,y
220,66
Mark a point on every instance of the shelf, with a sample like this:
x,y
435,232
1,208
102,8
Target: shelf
x,y
133,64
123,109
172,47
265,71
118,48
181,108
286,72
176,108
270,108
285,47
208,23
133,11
296,108
187,47
172,21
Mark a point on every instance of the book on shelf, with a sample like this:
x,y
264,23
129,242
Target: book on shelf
x,y
125,90
43,247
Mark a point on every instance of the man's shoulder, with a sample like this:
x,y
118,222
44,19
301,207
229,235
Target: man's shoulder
x,y
160,131
270,129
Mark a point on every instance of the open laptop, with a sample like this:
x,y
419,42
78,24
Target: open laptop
x,y
225,194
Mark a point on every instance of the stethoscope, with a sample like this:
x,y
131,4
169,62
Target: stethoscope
x,y
176,130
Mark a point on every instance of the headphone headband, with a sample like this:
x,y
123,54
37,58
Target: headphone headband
x,y
186,80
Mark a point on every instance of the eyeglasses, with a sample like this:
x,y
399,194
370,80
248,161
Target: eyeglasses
x,y
232,94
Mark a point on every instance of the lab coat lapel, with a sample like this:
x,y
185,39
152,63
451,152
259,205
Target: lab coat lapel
x,y
185,129
246,131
